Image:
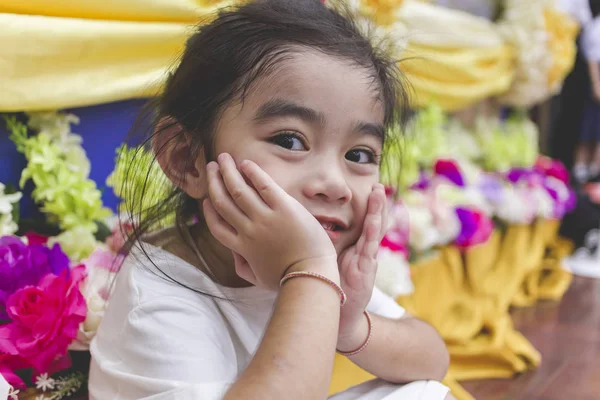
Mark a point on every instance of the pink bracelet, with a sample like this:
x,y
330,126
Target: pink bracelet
x,y
323,278
367,341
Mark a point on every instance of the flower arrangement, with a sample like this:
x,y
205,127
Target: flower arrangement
x,y
544,42
8,225
53,290
54,164
469,182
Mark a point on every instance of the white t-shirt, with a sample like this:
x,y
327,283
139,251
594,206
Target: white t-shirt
x,y
590,40
578,9
159,340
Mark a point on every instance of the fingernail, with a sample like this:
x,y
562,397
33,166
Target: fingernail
x,y
222,157
212,165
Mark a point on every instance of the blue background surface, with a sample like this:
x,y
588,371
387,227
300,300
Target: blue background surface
x,y
103,128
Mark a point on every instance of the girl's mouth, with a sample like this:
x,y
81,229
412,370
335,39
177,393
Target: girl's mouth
x,y
333,226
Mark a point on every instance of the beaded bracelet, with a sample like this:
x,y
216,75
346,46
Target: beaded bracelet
x,y
367,341
323,278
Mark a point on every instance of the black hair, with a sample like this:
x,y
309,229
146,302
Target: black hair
x,y
221,61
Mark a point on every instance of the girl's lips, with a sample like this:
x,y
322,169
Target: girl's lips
x,y
333,226
333,235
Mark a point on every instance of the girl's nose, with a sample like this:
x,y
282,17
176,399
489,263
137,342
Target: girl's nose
x,y
328,183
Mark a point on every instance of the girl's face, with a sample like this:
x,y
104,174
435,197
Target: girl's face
x,y
315,125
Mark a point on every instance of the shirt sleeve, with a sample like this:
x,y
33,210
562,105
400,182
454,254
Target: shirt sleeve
x,y
166,349
591,41
383,305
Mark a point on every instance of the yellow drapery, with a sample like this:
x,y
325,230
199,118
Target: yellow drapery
x,y
466,297
69,53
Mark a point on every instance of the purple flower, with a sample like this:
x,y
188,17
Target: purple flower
x,y
492,189
475,227
450,170
22,265
529,176
423,183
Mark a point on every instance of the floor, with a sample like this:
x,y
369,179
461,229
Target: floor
x,y
568,336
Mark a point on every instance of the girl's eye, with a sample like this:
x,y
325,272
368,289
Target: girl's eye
x,y
288,140
362,156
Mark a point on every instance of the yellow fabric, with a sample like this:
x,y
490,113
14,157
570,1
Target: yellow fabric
x,y
562,32
69,53
453,58
548,280
457,78
466,297
121,10
347,374
82,62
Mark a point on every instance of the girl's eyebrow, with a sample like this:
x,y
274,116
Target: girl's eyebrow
x,y
276,108
370,129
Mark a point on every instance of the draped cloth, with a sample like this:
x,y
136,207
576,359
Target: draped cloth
x,y
71,53
466,296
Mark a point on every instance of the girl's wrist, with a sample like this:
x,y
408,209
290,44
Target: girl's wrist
x,y
354,336
327,267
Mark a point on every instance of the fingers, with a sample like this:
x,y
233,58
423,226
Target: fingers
x,y
242,194
384,213
368,243
218,227
266,187
242,268
222,201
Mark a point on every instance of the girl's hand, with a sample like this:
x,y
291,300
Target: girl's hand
x,y
268,231
358,266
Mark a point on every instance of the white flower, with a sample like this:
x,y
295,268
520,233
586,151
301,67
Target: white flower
x,y
96,291
56,125
13,393
446,222
544,205
41,397
7,200
43,382
516,207
7,225
393,273
422,233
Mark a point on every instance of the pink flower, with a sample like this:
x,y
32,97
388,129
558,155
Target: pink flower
x,y
553,168
476,227
119,236
45,319
9,364
104,259
396,241
450,170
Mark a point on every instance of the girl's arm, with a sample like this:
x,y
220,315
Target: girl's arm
x,y
594,69
401,350
295,357
271,234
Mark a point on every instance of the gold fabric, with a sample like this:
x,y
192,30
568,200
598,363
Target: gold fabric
x,y
467,297
69,53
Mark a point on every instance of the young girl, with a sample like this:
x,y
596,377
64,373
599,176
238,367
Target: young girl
x,y
271,129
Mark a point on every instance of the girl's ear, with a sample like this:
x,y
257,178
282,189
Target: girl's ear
x,y
172,148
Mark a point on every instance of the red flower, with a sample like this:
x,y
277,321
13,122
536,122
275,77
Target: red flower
x,y
36,238
45,319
